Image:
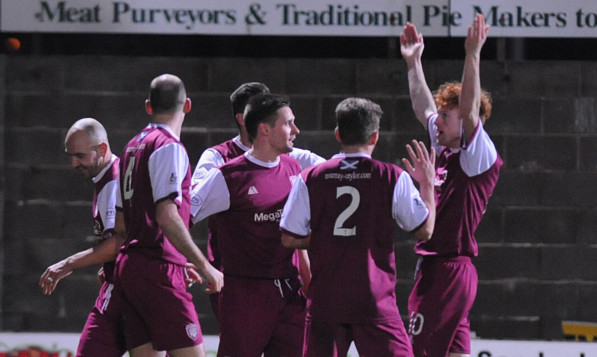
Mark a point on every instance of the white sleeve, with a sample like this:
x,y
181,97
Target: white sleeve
x,y
306,158
168,167
106,204
296,216
209,196
408,209
209,159
479,155
117,193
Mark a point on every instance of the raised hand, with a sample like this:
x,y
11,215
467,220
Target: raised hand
x,y
422,168
476,36
411,43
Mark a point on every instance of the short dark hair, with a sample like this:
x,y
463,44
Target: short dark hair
x,y
261,109
240,97
357,119
167,94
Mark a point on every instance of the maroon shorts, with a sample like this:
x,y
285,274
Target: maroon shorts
x,y
261,316
438,307
384,339
157,307
103,333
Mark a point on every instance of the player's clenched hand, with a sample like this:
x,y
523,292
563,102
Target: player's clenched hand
x,y
214,277
422,168
50,278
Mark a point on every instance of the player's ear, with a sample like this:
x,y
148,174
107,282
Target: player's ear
x,y
187,106
374,137
240,119
338,137
264,129
148,107
103,149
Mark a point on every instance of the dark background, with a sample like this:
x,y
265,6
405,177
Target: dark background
x,y
295,46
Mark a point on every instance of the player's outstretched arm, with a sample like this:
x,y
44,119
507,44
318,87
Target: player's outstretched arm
x,y
422,170
470,94
174,228
106,251
411,48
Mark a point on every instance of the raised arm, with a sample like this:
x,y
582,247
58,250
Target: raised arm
x,y
411,47
470,95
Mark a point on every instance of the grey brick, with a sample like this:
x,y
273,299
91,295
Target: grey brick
x,y
541,226
131,74
570,115
49,183
539,82
34,75
380,76
588,154
507,262
510,115
515,327
210,112
35,146
490,229
321,76
531,153
507,298
569,262
307,111
227,74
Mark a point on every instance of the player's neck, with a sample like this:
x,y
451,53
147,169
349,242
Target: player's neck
x,y
358,149
263,154
174,122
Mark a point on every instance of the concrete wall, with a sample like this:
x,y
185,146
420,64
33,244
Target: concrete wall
x,y
538,252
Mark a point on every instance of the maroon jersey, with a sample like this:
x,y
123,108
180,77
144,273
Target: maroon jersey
x,y
105,189
354,205
461,197
248,232
154,167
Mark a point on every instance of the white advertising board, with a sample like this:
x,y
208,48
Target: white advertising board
x,y
65,345
508,18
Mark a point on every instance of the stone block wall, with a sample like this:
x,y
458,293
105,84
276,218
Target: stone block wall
x,y
538,247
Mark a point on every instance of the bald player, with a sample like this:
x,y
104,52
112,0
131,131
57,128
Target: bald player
x,y
154,214
87,145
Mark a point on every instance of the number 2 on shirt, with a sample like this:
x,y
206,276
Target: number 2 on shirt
x,y
352,207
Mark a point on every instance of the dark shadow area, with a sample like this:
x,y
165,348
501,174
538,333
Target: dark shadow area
x,y
290,46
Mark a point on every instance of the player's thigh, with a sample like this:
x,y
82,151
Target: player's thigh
x,y
382,339
326,339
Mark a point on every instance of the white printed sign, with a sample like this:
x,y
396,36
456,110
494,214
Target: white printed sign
x,y
508,18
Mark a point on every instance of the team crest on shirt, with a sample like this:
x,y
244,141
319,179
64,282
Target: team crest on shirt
x,y
440,177
192,331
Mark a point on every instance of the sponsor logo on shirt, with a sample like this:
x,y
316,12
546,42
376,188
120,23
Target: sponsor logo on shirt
x,y
253,190
269,217
349,176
